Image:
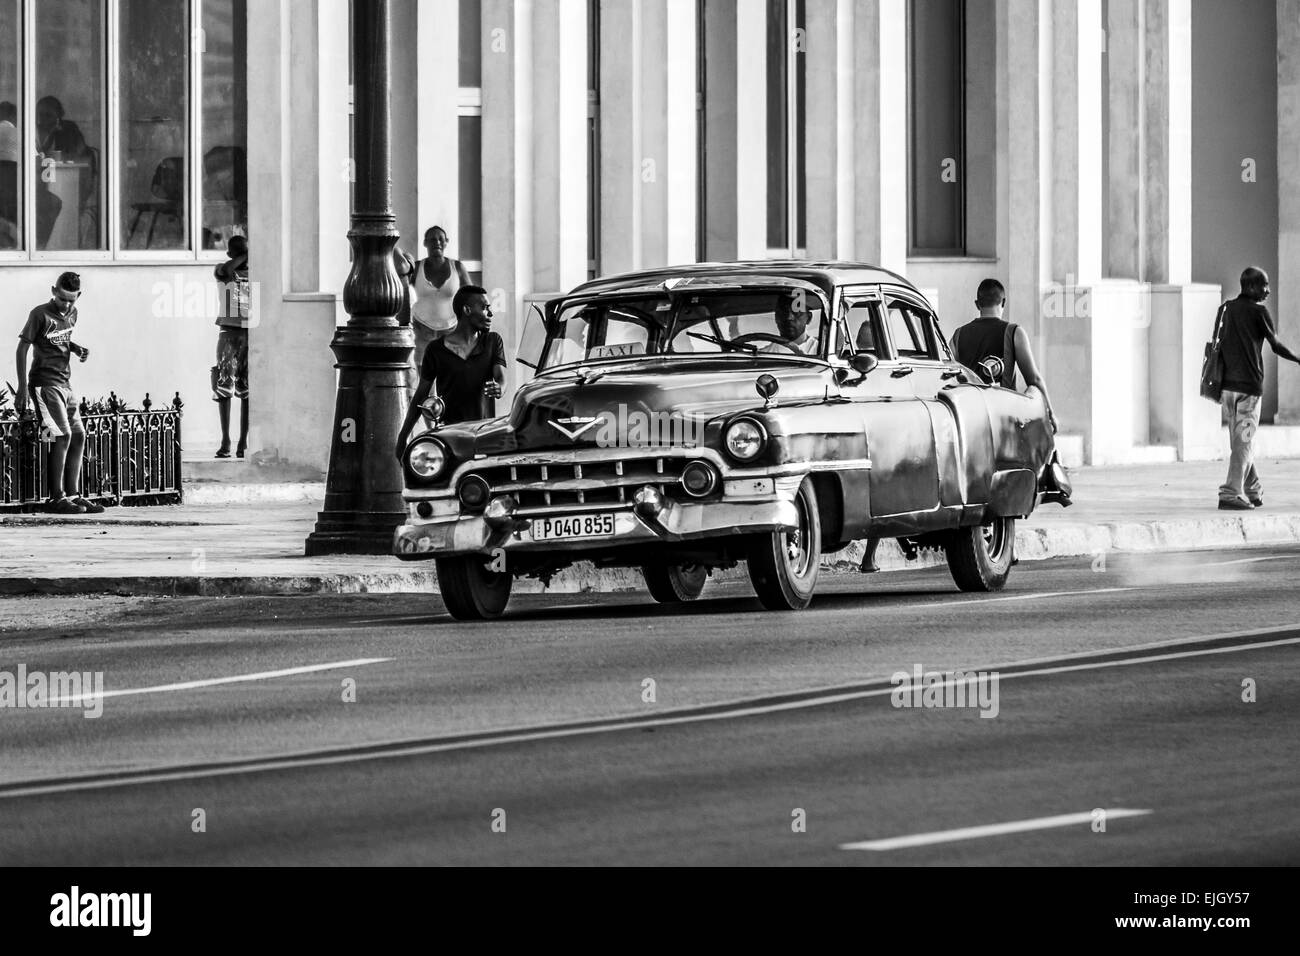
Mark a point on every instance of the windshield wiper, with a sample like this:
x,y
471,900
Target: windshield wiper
x,y
723,343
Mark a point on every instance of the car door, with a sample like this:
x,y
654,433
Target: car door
x,y
903,481
958,411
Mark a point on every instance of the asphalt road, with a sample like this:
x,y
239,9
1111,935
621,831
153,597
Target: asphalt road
x,y
770,738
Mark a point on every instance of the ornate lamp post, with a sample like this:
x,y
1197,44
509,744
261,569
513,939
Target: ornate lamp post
x,y
363,492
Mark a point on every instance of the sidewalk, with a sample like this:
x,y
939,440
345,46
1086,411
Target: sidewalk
x,y
257,548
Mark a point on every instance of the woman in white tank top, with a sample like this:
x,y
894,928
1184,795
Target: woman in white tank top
x,y
434,284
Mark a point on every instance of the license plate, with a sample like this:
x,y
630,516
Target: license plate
x,y
573,526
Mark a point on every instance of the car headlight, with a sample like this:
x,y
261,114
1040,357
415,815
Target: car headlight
x,y
427,458
745,439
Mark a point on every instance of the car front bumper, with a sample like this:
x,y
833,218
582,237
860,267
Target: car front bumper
x,y
440,537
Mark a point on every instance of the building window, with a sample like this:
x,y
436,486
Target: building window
x,y
137,119
469,124
11,125
153,125
937,117
225,121
786,127
70,101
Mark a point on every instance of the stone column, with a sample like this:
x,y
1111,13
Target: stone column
x,y
880,133
736,130
1286,284
507,173
647,139
1125,233
435,141
559,133
1029,176
1167,85
828,55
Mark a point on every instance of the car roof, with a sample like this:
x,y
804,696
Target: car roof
x,y
823,273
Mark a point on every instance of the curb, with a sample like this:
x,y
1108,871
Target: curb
x,y
1032,544
228,493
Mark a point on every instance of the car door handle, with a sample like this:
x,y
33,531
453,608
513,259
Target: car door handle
x,y
901,372
953,373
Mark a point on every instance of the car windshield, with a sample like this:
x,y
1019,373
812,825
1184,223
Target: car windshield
x,y
784,322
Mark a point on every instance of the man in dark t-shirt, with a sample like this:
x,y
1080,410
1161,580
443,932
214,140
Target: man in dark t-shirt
x,y
1246,326
48,334
466,368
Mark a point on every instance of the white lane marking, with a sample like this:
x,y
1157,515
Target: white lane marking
x,y
1271,557
214,681
989,830
323,758
1013,597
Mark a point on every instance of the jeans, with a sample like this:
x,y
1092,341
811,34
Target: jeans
x,y
1243,421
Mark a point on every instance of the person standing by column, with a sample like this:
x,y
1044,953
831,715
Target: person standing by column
x,y
48,332
1247,325
230,374
436,281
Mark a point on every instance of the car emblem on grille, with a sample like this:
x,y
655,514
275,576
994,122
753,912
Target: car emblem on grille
x,y
582,423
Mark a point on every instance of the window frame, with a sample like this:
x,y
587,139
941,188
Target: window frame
x,y
914,99
110,158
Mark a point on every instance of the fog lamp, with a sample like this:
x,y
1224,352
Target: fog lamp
x,y
648,502
699,479
473,492
500,512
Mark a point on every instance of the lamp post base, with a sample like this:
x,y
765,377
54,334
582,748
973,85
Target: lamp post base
x,y
353,533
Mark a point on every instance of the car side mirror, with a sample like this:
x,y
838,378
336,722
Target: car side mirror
x,y
863,363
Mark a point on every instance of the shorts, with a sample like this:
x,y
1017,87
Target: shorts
x,y
56,412
230,374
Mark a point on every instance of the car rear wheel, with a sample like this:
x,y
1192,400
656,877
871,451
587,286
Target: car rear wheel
x,y
980,557
471,591
783,566
674,583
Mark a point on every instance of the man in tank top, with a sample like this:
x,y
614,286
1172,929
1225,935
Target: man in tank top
x,y
990,335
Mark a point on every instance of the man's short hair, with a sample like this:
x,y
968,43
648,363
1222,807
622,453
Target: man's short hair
x,y
460,300
428,233
1252,281
8,111
990,292
69,282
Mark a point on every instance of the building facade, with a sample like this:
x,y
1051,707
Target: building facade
x,y
1116,163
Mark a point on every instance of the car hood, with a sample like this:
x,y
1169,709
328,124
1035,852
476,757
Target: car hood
x,y
635,403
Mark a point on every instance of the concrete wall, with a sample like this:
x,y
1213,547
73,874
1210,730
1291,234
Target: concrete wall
x,y
1234,118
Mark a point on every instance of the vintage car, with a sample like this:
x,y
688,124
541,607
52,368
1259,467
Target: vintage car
x,y
685,419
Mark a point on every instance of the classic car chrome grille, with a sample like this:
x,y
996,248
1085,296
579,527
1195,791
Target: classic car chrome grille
x,y
611,482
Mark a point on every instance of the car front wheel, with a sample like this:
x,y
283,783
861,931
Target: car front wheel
x,y
470,590
674,583
980,557
783,566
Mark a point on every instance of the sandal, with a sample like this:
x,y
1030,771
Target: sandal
x,y
223,451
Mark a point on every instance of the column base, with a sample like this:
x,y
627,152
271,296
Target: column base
x,y
350,533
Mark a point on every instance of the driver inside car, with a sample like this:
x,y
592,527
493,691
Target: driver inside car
x,y
792,326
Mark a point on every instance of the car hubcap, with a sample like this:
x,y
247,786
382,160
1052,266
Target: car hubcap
x,y
995,539
796,551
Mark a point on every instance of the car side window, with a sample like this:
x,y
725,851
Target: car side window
x,y
907,330
863,330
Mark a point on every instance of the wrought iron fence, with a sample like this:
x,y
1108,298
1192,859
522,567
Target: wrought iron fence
x,y
132,457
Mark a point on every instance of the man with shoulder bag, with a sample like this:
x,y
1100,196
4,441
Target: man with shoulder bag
x,y
1244,325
